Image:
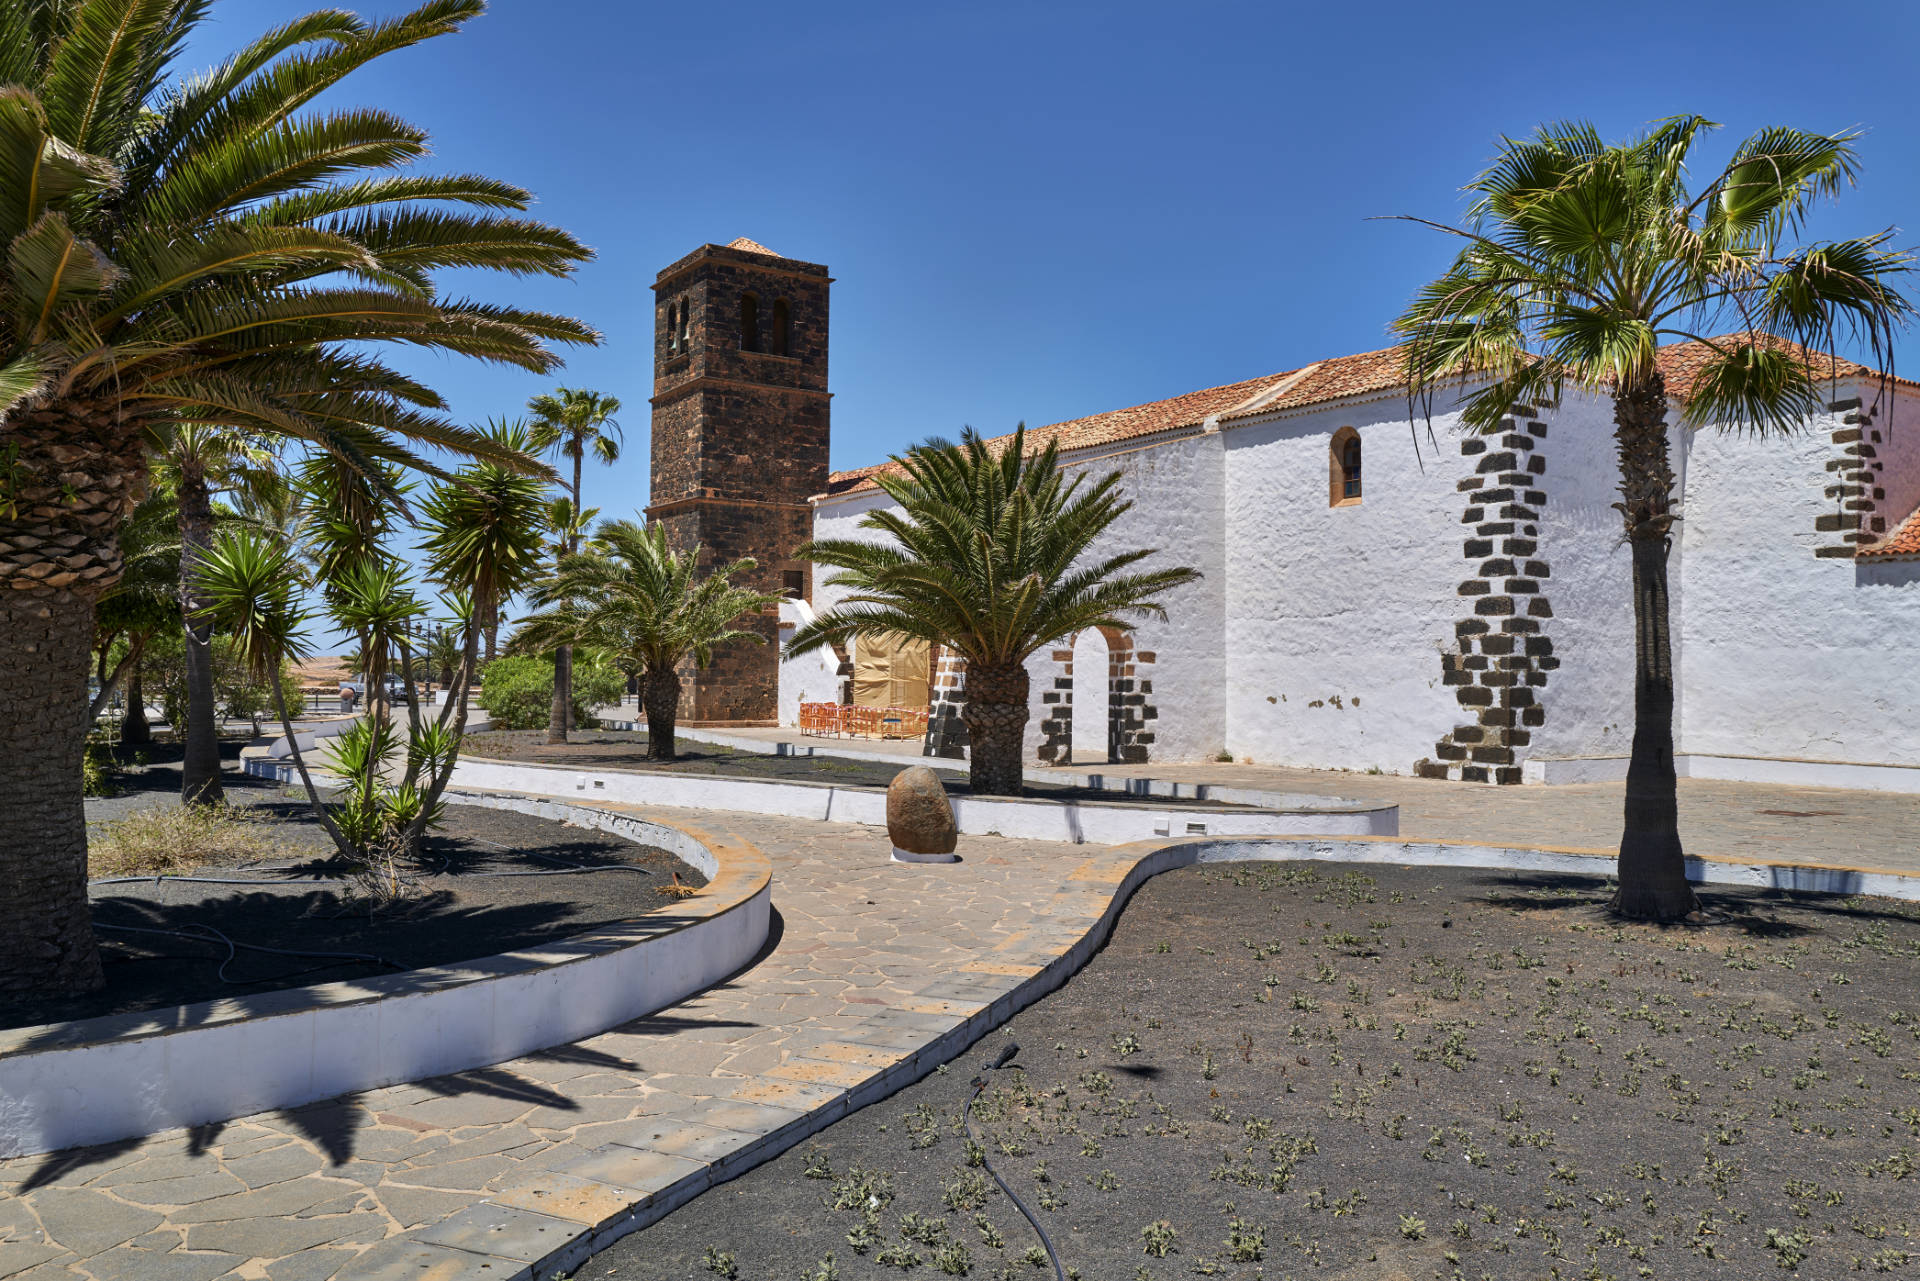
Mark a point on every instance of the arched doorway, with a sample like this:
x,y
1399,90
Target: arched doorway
x,y
1092,738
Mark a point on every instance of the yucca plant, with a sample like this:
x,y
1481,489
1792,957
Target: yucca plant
x,y
210,249
1580,258
484,529
631,595
989,555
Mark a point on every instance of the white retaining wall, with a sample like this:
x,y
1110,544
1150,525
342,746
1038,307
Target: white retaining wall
x,y
1098,822
124,1076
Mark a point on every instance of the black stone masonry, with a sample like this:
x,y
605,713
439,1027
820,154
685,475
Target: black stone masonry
x,y
740,431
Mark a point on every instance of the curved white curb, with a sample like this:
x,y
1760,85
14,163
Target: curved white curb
x,y
127,1075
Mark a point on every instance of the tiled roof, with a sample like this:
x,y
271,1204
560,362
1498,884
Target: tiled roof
x,y
1327,380
1681,364
751,246
1904,541
1366,373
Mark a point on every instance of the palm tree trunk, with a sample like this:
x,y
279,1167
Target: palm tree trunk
x,y
1652,868
135,729
78,470
200,782
560,720
660,700
562,695
996,717
46,926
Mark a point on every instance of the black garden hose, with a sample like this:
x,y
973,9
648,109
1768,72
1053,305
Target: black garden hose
x,y
966,1119
208,934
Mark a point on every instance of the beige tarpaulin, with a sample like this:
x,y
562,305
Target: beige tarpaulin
x,y
889,671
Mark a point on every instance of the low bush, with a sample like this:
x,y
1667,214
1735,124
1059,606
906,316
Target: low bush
x,y
170,839
517,691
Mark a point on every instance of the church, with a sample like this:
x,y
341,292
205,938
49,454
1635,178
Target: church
x,y
1379,593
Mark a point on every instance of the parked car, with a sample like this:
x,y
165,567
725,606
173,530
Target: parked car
x,y
396,688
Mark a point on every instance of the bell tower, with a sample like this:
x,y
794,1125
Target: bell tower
x,y
740,432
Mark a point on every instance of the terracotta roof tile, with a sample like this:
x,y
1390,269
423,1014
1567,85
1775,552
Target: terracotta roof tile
x,y
751,246
1327,380
1904,541
1365,373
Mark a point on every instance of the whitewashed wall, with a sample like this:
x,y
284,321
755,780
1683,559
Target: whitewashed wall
x,y
1178,490
1337,616
1786,654
1589,696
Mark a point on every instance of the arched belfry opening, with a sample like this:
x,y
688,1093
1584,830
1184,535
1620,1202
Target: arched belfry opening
x,y
782,333
749,323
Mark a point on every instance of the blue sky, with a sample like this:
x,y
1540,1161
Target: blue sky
x,y
1041,210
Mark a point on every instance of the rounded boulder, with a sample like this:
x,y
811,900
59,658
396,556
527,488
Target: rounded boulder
x,y
920,818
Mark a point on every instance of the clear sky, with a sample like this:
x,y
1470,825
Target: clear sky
x,y
1041,210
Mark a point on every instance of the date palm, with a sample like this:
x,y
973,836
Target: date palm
x,y
574,422
631,595
1579,259
212,250
990,556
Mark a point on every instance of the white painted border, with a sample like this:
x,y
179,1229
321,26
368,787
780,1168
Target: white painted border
x,y
1095,821
1779,770
125,1076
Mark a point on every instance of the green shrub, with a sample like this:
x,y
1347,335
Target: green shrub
x,y
97,768
517,691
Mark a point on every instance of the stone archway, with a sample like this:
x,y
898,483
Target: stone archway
x,y
1100,708
1091,732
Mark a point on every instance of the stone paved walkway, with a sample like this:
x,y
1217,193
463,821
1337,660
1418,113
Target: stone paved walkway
x,y
873,962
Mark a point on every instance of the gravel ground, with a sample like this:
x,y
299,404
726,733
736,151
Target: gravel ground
x,y
621,749
1292,1070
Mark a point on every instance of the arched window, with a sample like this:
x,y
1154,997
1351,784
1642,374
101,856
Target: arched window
x,y
782,328
686,324
749,323
673,329
1343,468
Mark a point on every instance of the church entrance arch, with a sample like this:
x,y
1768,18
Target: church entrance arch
x,y
1092,713
1100,709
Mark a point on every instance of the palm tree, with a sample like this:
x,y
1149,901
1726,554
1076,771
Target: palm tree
x,y
1579,259
630,594
197,463
204,250
988,557
573,421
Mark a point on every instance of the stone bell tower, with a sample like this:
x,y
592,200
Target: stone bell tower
x,y
740,426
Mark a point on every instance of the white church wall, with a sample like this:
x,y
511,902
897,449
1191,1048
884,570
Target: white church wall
x,y
1787,654
1589,693
1177,487
1336,616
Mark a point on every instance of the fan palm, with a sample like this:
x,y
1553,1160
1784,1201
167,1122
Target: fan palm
x,y
203,250
630,594
1579,259
573,421
987,557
